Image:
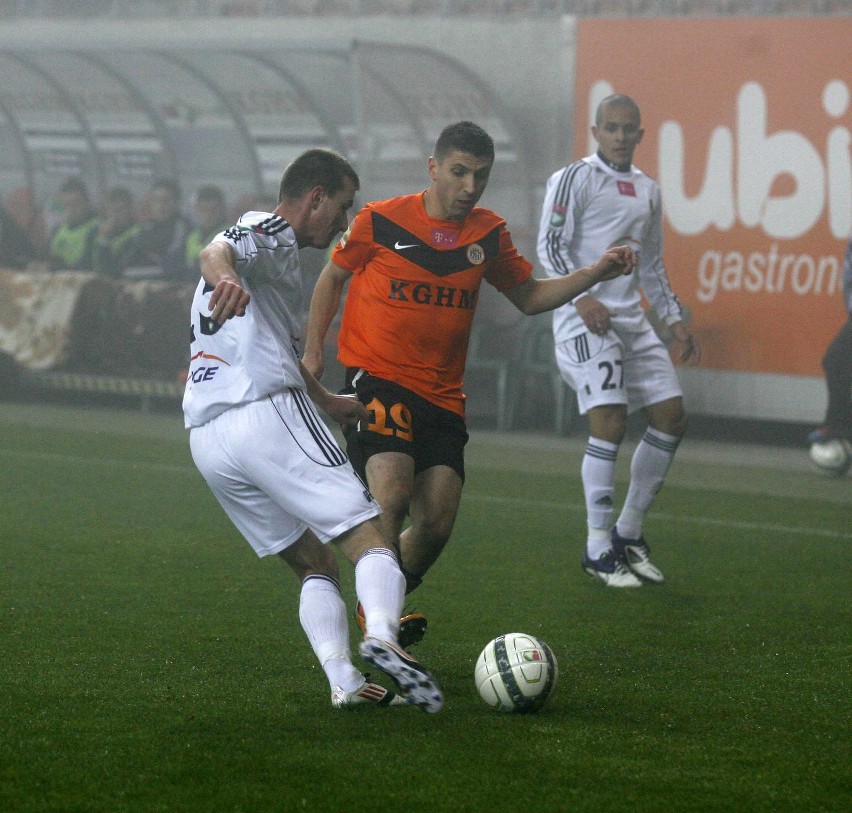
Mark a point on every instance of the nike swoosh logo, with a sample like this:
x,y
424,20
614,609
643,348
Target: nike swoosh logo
x,y
399,247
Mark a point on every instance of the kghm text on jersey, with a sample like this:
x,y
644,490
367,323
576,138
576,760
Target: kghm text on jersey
x,y
422,293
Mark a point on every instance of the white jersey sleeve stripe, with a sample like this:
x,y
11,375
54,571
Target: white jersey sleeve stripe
x,y
561,199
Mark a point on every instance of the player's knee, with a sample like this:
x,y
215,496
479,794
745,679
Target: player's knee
x,y
437,526
677,424
355,542
608,422
308,557
395,500
669,417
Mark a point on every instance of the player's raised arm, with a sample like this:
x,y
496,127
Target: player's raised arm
x,y
539,295
229,298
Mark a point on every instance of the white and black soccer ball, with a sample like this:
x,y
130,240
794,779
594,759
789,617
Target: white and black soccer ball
x,y
832,457
516,672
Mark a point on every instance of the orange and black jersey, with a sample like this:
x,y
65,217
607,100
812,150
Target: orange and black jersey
x,y
415,286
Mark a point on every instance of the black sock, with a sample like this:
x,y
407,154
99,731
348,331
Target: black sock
x,y
412,582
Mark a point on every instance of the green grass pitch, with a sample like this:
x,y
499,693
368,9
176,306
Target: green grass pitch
x,y
149,662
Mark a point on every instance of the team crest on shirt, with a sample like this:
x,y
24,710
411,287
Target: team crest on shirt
x,y
475,254
557,216
236,233
626,188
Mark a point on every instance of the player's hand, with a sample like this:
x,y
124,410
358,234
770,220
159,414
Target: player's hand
x,y
615,262
347,410
228,299
595,315
686,350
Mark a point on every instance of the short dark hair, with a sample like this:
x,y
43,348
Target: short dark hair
x,y
75,185
616,100
464,136
210,192
169,184
317,167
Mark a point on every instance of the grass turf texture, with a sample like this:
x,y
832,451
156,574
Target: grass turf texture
x,y
149,662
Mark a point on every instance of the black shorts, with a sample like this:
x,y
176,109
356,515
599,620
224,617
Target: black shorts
x,y
402,421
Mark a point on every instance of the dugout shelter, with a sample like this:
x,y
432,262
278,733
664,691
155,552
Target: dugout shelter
x,y
235,118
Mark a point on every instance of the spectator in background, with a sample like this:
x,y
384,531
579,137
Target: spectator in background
x,y
22,208
117,229
251,202
211,217
72,244
161,242
837,364
16,249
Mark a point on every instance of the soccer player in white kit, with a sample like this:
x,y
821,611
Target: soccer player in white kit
x,y
269,459
606,348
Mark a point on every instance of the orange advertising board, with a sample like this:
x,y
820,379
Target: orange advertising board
x,y
747,130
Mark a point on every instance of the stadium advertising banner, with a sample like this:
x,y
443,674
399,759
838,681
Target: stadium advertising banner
x,y
747,130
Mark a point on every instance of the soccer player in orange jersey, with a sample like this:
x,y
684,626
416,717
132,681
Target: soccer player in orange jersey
x,y
414,265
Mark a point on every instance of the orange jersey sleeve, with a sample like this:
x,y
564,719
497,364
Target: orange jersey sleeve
x,y
415,286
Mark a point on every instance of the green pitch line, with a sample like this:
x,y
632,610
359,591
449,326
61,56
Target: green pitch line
x,y
764,527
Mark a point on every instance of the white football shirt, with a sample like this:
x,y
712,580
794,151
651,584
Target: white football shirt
x,y
588,208
256,355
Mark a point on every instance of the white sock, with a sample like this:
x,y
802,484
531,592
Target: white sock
x,y
598,473
648,470
380,586
324,620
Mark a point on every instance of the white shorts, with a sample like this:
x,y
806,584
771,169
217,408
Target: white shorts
x,y
277,470
634,369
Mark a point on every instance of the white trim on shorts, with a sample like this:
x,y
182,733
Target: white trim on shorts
x,y
277,470
592,366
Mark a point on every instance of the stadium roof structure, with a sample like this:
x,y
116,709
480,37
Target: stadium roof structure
x,y
201,115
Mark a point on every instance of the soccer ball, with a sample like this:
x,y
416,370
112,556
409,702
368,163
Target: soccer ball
x,y
832,457
516,672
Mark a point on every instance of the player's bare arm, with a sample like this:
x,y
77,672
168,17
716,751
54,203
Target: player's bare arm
x,y
324,306
229,298
347,410
540,295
